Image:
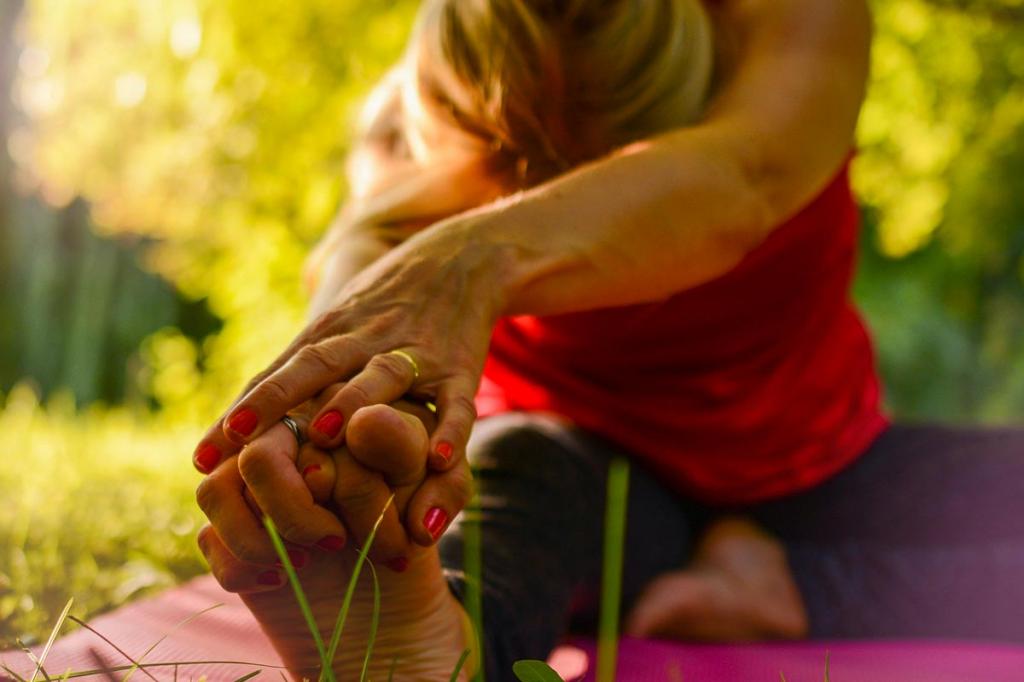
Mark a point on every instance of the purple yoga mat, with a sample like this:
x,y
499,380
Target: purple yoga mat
x,y
228,633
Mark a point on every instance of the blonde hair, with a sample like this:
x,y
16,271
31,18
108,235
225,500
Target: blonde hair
x,y
519,91
549,84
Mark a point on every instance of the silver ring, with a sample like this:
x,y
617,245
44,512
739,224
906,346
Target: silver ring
x,y
293,426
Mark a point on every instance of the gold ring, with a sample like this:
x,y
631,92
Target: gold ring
x,y
411,360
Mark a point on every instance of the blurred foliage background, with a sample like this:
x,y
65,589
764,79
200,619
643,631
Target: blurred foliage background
x,y
167,164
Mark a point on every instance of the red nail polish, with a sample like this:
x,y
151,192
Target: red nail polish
x,y
331,543
311,469
243,422
444,449
297,557
434,521
206,457
269,578
329,423
398,564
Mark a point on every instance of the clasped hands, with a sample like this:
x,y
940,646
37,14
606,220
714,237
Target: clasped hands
x,y
347,389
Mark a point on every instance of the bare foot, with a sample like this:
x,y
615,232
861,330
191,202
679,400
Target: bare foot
x,y
422,625
738,588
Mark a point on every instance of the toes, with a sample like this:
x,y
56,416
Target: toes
x,y
436,502
233,574
390,442
361,496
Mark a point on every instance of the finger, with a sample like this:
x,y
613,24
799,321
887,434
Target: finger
x,y
387,377
267,465
317,469
390,442
215,447
456,415
361,495
437,501
233,574
305,374
221,497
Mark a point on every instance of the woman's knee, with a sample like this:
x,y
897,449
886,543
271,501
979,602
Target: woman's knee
x,y
529,443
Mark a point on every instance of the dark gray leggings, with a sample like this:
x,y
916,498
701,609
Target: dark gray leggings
x,y
923,536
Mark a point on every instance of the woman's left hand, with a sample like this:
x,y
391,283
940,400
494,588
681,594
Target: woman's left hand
x,y
417,321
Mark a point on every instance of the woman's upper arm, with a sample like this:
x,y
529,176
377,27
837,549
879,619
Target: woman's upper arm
x,y
792,91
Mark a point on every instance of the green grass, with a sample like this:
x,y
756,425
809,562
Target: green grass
x,y
102,510
98,506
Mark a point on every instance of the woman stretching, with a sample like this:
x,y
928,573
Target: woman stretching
x,y
608,227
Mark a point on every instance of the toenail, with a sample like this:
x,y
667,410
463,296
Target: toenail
x,y
444,449
298,557
434,521
311,469
331,543
269,578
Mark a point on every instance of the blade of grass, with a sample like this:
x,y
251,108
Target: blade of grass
x,y
248,676
32,657
611,574
180,624
458,666
113,646
472,563
101,665
391,671
347,602
827,666
326,671
52,639
13,674
165,664
374,622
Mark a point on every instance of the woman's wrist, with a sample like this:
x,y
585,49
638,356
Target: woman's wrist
x,y
474,243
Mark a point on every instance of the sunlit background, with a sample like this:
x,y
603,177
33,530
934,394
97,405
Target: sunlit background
x,y
166,164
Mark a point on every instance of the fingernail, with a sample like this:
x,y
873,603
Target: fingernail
x,y
444,448
269,578
331,543
243,422
329,423
311,469
398,564
206,457
434,522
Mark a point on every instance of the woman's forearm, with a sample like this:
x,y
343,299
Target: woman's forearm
x,y
683,208
636,227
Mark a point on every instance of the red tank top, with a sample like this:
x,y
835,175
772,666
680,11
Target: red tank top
x,y
751,386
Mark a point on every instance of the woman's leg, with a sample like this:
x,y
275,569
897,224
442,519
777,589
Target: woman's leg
x,y
541,485
923,536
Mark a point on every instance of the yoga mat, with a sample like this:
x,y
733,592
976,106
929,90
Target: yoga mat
x,y
229,633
